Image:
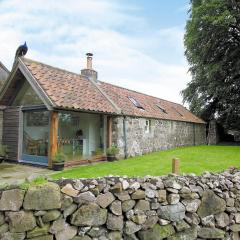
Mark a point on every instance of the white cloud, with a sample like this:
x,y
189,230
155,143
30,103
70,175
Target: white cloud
x,y
61,33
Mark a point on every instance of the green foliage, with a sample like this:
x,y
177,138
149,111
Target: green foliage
x,y
35,182
212,42
98,151
113,150
3,150
59,156
192,160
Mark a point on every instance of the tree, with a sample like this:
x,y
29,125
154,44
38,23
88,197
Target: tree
x,y
212,42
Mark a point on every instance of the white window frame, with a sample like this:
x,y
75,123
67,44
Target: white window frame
x,y
147,126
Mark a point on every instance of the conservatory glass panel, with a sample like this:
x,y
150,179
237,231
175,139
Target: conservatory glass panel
x,y
35,136
80,135
26,96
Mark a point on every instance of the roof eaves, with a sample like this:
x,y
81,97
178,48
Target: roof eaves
x,y
62,108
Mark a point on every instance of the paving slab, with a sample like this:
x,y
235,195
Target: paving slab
x,y
11,173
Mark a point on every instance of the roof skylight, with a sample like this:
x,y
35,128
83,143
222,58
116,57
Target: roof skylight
x,y
161,108
179,113
136,103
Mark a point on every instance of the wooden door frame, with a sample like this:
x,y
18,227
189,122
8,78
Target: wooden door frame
x,y
53,137
109,131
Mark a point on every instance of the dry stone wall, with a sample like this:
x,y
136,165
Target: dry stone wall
x,y
163,134
114,208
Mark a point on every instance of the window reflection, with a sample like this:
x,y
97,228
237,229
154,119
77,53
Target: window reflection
x,y
26,96
80,135
35,133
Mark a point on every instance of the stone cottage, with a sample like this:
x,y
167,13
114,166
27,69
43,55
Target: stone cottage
x,y
47,108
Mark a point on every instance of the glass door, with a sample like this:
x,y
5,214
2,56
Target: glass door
x,y
35,137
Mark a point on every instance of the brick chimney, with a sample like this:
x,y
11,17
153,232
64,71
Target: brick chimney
x,y
89,72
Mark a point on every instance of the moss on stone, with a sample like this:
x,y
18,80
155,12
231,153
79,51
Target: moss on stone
x,y
157,232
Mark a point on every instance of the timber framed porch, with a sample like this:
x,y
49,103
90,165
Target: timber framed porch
x,y
35,135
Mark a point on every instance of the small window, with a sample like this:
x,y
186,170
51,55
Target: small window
x,y
162,109
136,103
147,126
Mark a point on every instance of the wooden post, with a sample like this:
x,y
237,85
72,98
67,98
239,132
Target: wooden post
x,y
53,137
109,131
175,165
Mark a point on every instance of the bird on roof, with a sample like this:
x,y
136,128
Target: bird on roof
x,y
21,51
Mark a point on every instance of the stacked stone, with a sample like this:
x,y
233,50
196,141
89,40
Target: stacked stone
x,y
164,134
149,208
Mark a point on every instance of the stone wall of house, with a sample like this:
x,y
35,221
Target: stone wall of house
x,y
113,208
163,134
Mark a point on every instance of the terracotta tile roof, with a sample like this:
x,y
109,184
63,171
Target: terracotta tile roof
x,y
152,107
70,90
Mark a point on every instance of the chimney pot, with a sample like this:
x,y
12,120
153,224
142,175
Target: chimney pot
x,y
89,60
89,72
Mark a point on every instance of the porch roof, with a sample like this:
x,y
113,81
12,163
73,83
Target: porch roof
x,y
72,91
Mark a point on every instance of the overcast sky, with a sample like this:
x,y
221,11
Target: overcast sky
x,y
137,44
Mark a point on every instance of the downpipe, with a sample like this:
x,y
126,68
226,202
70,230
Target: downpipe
x,y
125,137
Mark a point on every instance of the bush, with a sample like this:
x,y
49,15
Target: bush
x,y
113,150
59,156
99,151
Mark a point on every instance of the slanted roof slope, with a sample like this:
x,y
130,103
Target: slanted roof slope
x,y
72,91
67,89
152,107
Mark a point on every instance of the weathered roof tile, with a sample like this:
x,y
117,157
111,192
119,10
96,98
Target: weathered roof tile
x,y
73,91
150,105
68,90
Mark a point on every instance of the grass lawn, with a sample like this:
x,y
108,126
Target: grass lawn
x,y
193,160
